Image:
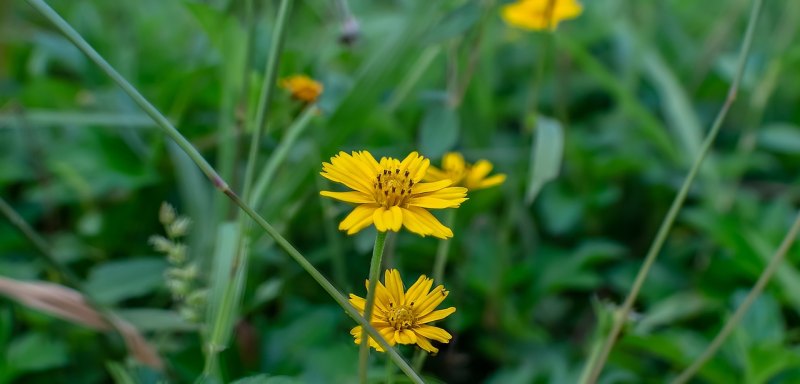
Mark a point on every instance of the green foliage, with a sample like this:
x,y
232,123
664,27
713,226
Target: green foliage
x,y
538,265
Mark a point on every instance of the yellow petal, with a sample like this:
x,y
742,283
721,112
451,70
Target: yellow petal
x,y
433,333
358,219
434,203
394,285
425,344
453,161
430,187
436,315
431,300
428,221
396,218
414,224
358,303
405,336
377,217
490,182
350,197
435,174
418,290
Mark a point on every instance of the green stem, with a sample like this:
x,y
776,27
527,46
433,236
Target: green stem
x,y
220,184
233,289
731,324
267,87
374,275
280,153
389,372
443,249
677,203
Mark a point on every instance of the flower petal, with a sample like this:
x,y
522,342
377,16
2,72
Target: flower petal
x,y
424,219
436,315
430,187
418,290
491,181
395,219
358,219
431,301
434,333
394,285
350,197
377,217
425,344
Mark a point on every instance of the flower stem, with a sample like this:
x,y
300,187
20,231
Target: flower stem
x,y
220,184
443,249
374,275
677,203
729,326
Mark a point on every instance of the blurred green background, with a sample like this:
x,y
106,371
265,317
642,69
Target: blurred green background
x,y
632,85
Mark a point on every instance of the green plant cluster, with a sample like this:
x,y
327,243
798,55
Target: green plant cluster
x,y
596,126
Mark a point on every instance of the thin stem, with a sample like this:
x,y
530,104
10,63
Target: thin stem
x,y
677,203
280,153
41,245
374,275
69,278
443,250
220,184
731,324
389,372
267,87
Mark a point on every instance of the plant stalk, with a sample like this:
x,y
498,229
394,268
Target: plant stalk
x,y
734,321
677,203
374,275
220,184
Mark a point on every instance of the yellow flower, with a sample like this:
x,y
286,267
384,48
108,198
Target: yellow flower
x,y
464,174
533,14
302,87
389,194
401,316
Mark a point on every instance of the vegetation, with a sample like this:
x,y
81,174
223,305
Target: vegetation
x,y
600,192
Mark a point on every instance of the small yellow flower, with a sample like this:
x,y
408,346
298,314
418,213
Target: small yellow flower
x,y
537,15
390,194
302,87
464,174
401,316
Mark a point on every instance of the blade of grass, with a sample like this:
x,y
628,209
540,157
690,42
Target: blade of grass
x,y
164,124
649,124
228,306
677,203
731,324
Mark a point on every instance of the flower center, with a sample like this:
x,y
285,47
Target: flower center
x,y
392,187
402,317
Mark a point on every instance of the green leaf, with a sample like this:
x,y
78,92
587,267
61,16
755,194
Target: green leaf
x,y
439,130
672,309
547,151
36,352
266,379
151,319
224,287
454,24
781,138
115,281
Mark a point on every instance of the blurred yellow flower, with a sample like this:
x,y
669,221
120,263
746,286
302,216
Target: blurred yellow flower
x,y
389,194
464,174
302,87
537,15
401,316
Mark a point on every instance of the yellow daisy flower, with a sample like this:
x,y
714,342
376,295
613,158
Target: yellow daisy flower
x,y
401,316
302,87
464,174
533,14
389,193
